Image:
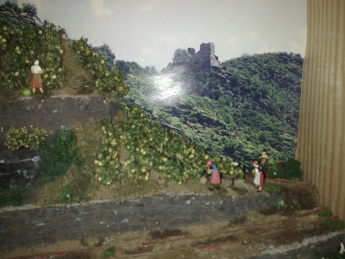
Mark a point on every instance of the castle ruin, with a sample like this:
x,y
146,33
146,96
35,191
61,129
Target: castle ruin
x,y
205,59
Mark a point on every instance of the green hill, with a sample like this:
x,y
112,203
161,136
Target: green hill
x,y
250,104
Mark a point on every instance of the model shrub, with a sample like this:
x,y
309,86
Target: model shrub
x,y
280,204
277,173
62,153
15,198
335,224
325,214
52,166
67,195
292,169
109,252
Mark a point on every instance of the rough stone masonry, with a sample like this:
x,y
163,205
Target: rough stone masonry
x,y
48,225
18,167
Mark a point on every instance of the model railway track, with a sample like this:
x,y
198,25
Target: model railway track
x,y
214,241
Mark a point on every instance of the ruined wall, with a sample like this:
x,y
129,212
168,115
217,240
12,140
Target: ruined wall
x,y
205,58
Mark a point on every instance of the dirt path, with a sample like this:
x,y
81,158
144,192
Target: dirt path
x,y
235,239
251,235
46,226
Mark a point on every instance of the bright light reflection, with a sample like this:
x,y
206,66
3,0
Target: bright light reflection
x,y
166,89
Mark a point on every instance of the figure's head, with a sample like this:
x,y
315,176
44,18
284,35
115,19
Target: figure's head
x,y
36,62
263,152
209,162
255,163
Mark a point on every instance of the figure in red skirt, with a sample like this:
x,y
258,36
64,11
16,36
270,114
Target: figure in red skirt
x,y
259,175
37,79
215,176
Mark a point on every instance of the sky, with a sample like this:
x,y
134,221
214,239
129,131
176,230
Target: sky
x,y
149,31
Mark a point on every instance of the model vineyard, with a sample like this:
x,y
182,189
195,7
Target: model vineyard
x,y
104,79
151,145
19,50
107,159
30,43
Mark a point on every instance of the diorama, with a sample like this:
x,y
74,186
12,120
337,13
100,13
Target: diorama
x,y
124,134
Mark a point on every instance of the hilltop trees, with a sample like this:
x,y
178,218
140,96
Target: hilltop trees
x,y
11,6
180,57
29,9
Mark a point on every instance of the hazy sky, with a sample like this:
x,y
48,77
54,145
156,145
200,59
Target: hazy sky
x,y
149,31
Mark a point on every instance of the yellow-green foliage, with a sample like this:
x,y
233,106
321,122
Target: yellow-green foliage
x,y
18,52
22,50
104,78
151,145
54,73
17,138
107,159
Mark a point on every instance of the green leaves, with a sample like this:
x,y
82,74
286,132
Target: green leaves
x,y
280,204
104,79
168,152
107,158
17,138
67,195
16,198
23,48
64,134
62,155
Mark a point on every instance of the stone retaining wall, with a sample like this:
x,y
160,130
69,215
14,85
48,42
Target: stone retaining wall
x,y
53,112
51,224
18,167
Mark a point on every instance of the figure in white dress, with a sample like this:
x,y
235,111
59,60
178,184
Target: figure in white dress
x,y
259,175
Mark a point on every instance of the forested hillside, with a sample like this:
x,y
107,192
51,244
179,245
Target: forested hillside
x,y
250,104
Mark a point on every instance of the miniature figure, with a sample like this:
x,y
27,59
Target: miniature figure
x,y
264,157
37,79
259,176
215,176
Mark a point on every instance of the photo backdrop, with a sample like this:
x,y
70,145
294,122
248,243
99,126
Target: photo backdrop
x,y
224,74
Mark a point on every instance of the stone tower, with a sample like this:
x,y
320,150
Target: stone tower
x,y
205,59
